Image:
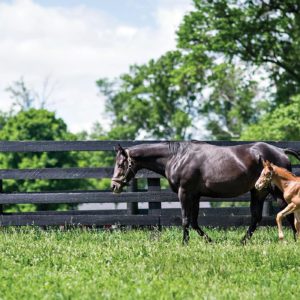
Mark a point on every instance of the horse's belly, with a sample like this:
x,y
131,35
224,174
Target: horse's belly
x,y
227,189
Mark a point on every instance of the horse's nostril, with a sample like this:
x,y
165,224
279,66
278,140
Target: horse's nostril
x,y
113,187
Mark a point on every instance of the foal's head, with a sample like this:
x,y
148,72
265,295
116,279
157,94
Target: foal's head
x,y
265,176
123,171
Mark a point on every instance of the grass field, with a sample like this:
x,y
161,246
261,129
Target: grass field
x,y
144,264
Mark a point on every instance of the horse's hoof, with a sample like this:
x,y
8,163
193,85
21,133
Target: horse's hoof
x,y
208,240
244,241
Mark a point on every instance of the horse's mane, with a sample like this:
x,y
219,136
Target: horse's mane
x,y
182,147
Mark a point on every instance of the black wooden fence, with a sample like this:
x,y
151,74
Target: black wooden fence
x,y
154,215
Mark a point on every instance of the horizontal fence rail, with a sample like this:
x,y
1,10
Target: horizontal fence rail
x,y
59,146
154,196
103,197
67,173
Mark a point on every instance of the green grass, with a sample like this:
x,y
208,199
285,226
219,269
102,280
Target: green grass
x,y
144,264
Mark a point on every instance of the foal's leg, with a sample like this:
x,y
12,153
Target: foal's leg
x,y
290,218
194,221
288,210
186,206
297,223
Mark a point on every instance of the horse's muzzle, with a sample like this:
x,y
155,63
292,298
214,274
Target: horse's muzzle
x,y
116,187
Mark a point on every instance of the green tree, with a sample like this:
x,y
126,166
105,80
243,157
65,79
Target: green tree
x,y
283,123
261,33
37,125
148,101
231,104
212,76
165,99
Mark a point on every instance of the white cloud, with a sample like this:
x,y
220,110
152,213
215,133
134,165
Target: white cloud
x,y
76,46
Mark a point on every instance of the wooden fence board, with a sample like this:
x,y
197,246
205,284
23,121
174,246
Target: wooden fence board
x,y
103,197
67,173
77,173
211,211
57,146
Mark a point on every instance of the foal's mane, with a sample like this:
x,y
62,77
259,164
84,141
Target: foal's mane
x,y
284,171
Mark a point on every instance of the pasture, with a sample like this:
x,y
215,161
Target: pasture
x,y
146,264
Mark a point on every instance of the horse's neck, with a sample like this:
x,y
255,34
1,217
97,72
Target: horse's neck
x,y
152,157
281,178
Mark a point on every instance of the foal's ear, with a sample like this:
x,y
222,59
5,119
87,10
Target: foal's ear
x,y
269,165
263,162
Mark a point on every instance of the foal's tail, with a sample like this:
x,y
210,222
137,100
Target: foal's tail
x,y
293,152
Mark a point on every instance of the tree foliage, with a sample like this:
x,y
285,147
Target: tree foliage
x,y
212,75
149,101
165,99
262,33
283,123
37,125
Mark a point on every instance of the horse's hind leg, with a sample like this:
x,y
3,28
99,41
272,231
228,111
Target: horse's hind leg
x,y
256,207
194,221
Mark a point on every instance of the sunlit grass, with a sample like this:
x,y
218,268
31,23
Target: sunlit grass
x,y
146,264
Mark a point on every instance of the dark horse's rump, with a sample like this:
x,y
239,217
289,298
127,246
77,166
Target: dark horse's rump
x,y
196,169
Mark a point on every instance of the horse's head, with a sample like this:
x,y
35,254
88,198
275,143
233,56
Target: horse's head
x,y
266,175
123,171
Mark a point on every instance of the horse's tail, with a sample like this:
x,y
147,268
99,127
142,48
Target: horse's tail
x,y
293,152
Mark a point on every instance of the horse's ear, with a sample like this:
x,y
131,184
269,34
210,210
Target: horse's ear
x,y
263,162
122,150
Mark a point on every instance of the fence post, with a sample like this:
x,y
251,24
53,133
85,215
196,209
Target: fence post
x,y
154,186
132,207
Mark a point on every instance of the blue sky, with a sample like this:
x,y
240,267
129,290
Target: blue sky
x,y
133,12
70,44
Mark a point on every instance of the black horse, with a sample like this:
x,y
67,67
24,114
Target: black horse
x,y
196,169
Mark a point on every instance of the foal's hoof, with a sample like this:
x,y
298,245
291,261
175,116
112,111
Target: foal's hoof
x,y
282,240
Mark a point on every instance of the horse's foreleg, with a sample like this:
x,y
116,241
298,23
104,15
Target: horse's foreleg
x,y
186,203
256,207
194,221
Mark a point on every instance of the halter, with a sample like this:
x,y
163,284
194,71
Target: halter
x,y
124,179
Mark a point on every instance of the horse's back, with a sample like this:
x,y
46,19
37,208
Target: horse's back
x,y
225,171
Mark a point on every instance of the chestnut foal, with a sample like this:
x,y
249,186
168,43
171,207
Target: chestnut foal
x,y
289,184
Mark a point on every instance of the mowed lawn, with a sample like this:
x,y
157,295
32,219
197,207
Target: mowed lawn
x,y
146,264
